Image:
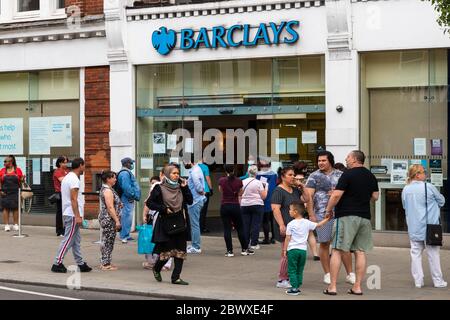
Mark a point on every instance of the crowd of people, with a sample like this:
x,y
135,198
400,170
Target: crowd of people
x,y
331,207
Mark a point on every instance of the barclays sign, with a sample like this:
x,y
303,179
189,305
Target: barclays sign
x,y
165,40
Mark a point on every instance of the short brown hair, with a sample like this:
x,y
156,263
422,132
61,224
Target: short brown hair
x,y
299,207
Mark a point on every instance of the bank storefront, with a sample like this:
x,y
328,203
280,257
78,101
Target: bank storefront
x,y
269,72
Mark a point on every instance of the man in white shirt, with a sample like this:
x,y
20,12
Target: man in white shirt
x,y
72,209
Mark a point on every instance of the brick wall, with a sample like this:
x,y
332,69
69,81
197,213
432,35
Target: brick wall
x,y
97,127
87,7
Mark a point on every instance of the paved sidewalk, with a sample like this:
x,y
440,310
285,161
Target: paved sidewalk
x,y
211,275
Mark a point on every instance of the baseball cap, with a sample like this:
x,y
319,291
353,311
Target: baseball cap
x,y
127,160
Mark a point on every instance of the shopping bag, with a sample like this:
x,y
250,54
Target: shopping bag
x,y
145,245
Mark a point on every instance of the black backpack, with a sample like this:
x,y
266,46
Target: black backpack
x,y
117,187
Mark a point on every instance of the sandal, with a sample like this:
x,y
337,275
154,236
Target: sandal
x,y
350,291
147,265
108,267
330,293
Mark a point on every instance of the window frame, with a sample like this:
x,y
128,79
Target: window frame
x,y
48,10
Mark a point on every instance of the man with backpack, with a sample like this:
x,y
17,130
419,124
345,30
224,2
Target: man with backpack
x,y
129,191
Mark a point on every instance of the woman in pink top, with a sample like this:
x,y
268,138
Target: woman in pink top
x,y
252,205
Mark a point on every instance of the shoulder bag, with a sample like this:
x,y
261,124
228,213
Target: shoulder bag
x,y
434,231
173,223
26,192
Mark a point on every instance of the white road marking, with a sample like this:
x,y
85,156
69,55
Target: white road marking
x,y
37,293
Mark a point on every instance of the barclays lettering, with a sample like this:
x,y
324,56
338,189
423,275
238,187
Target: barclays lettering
x,y
165,40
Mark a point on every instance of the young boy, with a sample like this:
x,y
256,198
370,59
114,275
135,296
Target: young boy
x,y
295,245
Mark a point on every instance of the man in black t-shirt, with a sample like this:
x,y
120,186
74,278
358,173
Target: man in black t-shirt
x,y
352,229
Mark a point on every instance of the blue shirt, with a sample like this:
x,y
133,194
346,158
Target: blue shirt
x,y
196,183
272,181
413,199
129,185
205,171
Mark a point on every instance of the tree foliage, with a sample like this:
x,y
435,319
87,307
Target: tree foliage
x,y
443,9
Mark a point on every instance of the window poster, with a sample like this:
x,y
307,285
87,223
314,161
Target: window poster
x,y
61,131
171,141
309,137
159,142
39,133
189,145
22,164
36,170
436,147
11,136
280,146
420,146
45,164
291,145
387,163
399,171
146,163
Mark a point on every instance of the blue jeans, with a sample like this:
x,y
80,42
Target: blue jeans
x,y
194,216
252,217
126,218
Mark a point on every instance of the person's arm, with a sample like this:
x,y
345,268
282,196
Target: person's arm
x,y
276,209
187,194
310,204
155,201
285,246
324,221
145,212
198,182
440,199
375,196
305,197
208,181
109,201
126,184
334,199
264,191
74,204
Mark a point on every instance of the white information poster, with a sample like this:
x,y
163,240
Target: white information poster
x,y
399,171
39,133
275,165
46,164
54,163
61,131
189,145
309,137
420,146
387,163
159,142
280,146
22,164
174,160
11,136
291,145
36,171
146,163
437,179
171,141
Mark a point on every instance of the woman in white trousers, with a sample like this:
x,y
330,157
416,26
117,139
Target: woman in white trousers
x,y
418,213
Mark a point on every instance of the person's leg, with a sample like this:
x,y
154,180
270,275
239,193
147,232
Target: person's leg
x,y
266,226
360,266
177,269
16,216
435,265
272,227
347,262
5,216
283,274
159,264
257,215
225,215
246,220
312,244
67,241
335,266
293,257
194,216
76,247
203,214
126,218
416,262
108,237
236,219
324,253
59,221
303,254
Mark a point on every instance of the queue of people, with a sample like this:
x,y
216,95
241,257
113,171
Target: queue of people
x,y
333,203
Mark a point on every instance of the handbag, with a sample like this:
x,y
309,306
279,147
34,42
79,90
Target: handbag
x,y
145,245
173,223
434,231
26,192
54,198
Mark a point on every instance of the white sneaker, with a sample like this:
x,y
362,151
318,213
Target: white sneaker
x,y
419,284
351,278
7,228
283,284
229,254
194,251
443,284
327,278
257,247
124,241
16,227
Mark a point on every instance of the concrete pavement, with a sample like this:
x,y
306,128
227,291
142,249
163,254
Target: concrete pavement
x,y
210,274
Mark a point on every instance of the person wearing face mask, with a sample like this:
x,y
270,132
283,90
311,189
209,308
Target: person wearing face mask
x,y
130,192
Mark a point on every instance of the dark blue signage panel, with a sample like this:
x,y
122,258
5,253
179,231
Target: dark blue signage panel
x,y
165,40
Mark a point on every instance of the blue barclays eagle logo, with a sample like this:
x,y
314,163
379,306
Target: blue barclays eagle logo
x,y
164,40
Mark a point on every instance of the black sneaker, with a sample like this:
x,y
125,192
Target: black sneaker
x,y
84,267
266,241
316,258
157,275
293,292
59,268
180,282
248,252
